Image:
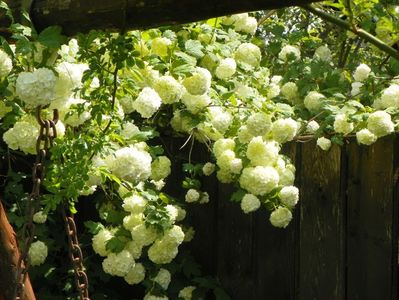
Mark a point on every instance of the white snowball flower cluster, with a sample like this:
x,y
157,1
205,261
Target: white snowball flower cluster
x,y
118,264
195,103
163,278
259,124
390,97
228,162
134,249
134,204
249,203
220,118
259,180
37,253
187,292
160,168
289,195
281,217
324,143
100,240
226,68
152,297
242,23
143,235
71,116
131,164
165,249
69,78
199,82
312,126
40,217
169,89
313,101
323,53
37,87
262,153
5,64
284,130
129,131
208,168
356,86
366,137
290,91
341,124
136,274
192,195
380,123
68,52
361,73
221,145
289,50
147,102
127,103
286,172
22,136
248,54
160,46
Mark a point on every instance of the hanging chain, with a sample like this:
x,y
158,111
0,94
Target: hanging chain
x,y
76,257
47,133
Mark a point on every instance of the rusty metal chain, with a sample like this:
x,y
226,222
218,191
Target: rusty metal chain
x,y
76,257
47,133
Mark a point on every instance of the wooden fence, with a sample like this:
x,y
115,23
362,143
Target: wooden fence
x,y
341,244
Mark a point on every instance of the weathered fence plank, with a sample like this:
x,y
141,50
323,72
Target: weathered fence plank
x,y
322,273
370,217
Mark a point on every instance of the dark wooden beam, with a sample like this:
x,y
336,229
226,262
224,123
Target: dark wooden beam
x,y
82,15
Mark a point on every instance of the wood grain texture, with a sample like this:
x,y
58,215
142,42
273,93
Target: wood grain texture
x,y
370,217
322,274
81,16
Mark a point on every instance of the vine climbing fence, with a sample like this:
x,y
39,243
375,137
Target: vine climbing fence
x,y
342,243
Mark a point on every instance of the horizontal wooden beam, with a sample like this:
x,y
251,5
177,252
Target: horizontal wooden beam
x,y
83,15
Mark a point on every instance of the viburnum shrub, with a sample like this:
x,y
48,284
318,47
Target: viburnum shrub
x,y
240,89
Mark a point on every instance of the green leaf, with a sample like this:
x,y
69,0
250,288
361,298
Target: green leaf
x,y
51,37
94,227
220,294
237,195
115,245
194,48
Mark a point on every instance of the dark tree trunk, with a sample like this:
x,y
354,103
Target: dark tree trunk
x,y
9,255
82,15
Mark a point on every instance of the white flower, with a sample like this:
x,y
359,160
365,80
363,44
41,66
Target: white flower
x,y
356,86
221,145
165,249
281,217
323,53
187,292
205,196
341,125
390,96
127,104
259,180
220,118
195,103
163,278
37,253
192,195
160,46
362,72
181,213
160,168
313,101
248,54
152,297
130,164
312,127
118,264
37,87
169,89
134,204
143,235
324,143
366,137
40,217
134,249
290,91
5,64
69,78
100,242
208,168
132,220
249,203
289,50
22,136
226,68
129,130
136,274
289,195
380,123
71,116
199,82
147,102
172,211
259,124
242,23
262,153
284,130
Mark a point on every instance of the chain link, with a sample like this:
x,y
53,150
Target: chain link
x,y
47,133
76,257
